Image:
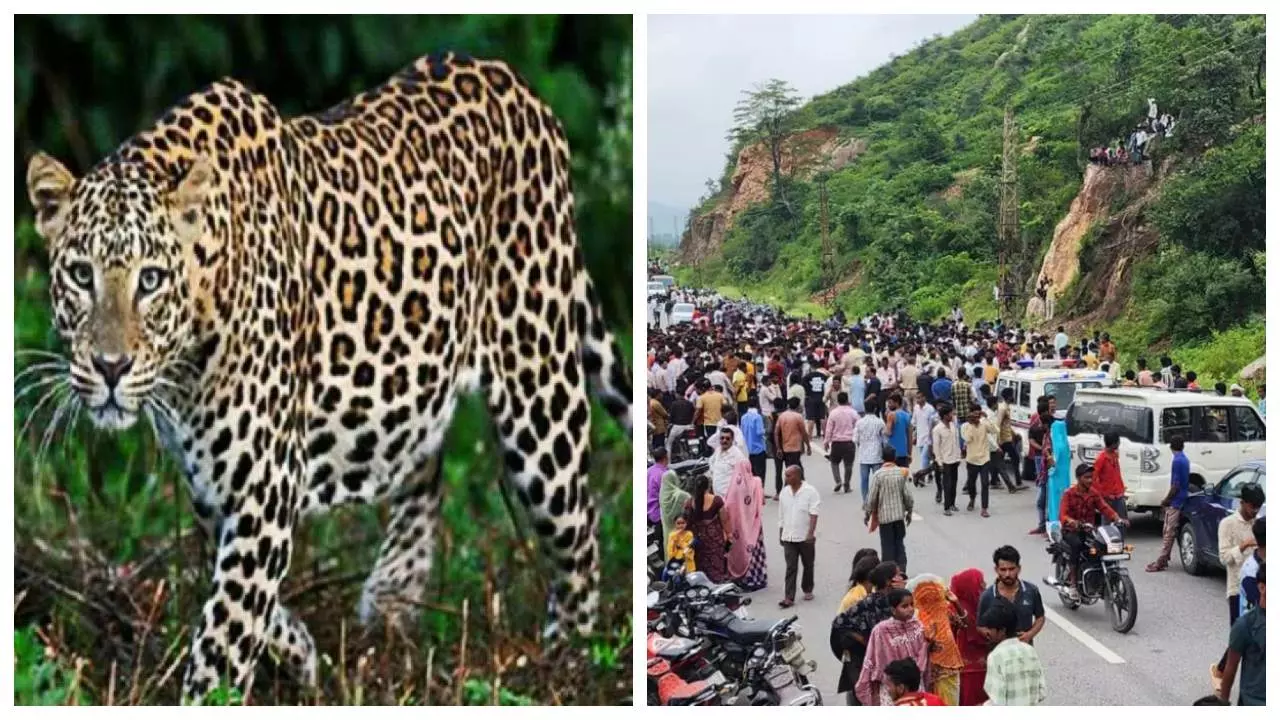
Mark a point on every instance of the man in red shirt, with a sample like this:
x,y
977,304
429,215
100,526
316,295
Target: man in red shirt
x,y
1106,475
902,680
774,368
1080,507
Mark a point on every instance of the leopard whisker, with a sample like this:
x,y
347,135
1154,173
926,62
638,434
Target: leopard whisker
x,y
38,368
156,406
64,404
49,393
35,352
39,383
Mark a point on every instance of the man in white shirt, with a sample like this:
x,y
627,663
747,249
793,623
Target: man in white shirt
x,y
868,433
946,449
1060,341
923,417
675,368
658,377
797,521
726,458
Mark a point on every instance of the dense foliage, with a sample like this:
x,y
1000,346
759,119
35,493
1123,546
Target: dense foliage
x,y
103,523
914,217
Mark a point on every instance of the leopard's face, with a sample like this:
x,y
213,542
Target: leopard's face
x,y
118,282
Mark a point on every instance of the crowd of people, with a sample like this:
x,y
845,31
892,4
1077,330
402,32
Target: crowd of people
x,y
1134,149
886,394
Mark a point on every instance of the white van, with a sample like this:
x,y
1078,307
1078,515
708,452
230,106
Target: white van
x,y
1220,433
1046,377
656,289
667,281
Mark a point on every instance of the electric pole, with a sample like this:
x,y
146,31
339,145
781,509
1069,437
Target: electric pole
x,y
1008,231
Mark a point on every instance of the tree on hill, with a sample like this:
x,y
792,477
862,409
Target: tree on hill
x,y
766,115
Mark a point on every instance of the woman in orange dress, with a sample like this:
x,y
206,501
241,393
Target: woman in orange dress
x,y
936,612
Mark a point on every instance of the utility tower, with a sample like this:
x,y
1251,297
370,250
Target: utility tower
x,y
828,250
1008,231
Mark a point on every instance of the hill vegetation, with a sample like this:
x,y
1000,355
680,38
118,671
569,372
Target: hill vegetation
x,y
913,217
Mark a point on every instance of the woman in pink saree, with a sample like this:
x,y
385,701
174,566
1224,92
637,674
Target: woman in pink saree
x,y
744,502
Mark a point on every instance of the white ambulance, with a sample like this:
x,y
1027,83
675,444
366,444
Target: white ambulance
x,y
1045,377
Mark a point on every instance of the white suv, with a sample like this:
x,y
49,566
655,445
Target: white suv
x,y
1220,433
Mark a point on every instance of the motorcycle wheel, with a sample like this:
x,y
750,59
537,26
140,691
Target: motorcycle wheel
x,y
1122,602
1061,572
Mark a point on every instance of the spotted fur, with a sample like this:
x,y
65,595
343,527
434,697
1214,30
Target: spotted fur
x,y
298,304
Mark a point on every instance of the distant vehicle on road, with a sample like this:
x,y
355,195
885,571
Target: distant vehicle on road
x,y
682,313
656,289
1205,508
667,281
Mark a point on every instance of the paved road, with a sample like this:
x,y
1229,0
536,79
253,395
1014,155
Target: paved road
x,y
1164,660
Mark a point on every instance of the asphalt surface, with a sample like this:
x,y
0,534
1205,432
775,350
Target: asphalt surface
x,y
1164,660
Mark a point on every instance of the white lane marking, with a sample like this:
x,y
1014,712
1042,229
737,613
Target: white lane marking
x,y
1083,637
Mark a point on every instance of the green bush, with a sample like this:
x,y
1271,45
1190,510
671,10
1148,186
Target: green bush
x,y
1219,204
1186,296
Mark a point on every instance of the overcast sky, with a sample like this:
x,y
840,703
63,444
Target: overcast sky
x,y
699,64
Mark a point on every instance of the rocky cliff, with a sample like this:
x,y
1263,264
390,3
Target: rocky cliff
x,y
1096,244
802,155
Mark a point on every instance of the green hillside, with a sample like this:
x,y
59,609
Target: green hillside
x,y
913,218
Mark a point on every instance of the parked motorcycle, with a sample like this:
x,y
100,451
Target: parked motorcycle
x,y
1102,574
687,444
763,660
668,688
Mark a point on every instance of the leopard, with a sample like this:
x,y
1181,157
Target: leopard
x,y
297,305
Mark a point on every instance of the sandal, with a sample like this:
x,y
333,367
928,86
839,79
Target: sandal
x,y
985,513
786,603
1156,567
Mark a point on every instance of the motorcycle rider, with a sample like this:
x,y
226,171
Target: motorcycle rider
x,y
1081,504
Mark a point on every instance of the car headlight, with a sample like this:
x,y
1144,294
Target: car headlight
x,y
1115,546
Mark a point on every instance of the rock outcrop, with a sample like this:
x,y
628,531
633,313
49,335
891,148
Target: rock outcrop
x,y
1111,206
803,154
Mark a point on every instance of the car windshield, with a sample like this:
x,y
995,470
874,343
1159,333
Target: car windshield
x,y
1100,418
1065,392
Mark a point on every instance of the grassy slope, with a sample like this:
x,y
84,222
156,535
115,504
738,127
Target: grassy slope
x,y
938,111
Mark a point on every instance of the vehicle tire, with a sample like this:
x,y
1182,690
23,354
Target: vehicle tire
x,y
1122,602
1189,552
1060,572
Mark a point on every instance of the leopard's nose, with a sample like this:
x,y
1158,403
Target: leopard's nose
x,y
112,368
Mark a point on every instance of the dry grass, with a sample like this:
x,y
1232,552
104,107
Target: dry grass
x,y
117,633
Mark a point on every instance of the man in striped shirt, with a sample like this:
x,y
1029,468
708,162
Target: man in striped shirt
x,y
889,507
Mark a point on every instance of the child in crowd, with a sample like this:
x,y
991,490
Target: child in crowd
x,y
680,544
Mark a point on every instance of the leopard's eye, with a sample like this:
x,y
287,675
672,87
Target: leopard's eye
x,y
82,275
150,279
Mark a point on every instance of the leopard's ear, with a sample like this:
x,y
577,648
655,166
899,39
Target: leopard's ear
x,y
186,203
49,185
